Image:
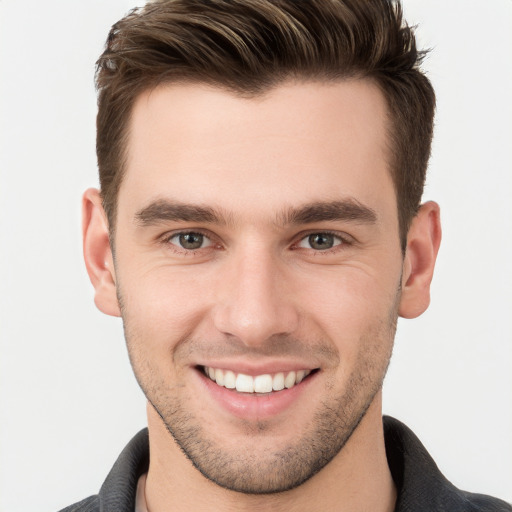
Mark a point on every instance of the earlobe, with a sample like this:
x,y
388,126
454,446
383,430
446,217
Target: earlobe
x,y
423,242
98,254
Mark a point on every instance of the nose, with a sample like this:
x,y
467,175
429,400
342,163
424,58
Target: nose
x,y
254,299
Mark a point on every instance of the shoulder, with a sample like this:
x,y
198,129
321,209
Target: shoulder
x,y
421,487
483,503
90,504
118,492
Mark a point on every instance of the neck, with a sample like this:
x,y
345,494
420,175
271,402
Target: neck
x,y
357,479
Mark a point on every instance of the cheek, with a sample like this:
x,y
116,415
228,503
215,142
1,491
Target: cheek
x,y
356,311
163,305
347,296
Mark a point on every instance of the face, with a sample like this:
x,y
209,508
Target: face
x,y
258,269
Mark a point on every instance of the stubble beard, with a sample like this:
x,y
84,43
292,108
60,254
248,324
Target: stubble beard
x,y
249,469
255,471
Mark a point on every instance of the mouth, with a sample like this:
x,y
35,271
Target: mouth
x,y
266,383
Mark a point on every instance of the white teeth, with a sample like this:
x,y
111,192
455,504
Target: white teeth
x,y
278,382
289,380
229,380
244,383
265,383
219,377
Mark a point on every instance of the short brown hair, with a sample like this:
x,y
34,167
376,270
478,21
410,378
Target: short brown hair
x,y
249,46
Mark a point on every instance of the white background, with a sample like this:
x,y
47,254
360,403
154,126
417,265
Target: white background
x,y
69,402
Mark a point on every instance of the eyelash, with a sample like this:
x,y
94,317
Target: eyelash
x,y
166,240
345,241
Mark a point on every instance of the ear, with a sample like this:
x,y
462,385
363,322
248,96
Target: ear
x,y
98,254
423,242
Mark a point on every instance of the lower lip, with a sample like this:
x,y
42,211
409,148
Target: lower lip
x,y
255,406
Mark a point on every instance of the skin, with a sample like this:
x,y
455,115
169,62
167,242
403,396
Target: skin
x,y
257,294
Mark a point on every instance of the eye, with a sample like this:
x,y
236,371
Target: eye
x,y
320,241
190,241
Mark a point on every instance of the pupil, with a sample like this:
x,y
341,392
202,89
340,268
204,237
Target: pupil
x,y
191,240
321,241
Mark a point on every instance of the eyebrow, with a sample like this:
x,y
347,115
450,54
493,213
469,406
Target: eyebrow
x,y
163,210
345,210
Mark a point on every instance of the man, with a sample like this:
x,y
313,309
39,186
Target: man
x,y
259,230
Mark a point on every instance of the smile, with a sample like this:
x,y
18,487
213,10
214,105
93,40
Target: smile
x,y
265,383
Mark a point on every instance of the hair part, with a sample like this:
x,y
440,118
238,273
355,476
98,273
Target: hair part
x,y
250,46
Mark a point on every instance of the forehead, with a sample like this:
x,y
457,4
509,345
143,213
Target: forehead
x,y
298,142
